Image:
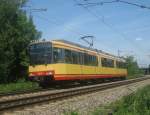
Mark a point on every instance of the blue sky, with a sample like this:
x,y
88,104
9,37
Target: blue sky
x,y
129,31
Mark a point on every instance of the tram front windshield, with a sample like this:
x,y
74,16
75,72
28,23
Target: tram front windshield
x,y
40,53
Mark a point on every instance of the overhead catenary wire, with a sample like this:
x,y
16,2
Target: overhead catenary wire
x,y
100,19
115,1
110,26
54,22
58,24
33,10
134,4
94,4
71,30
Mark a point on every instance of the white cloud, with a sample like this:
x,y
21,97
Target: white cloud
x,y
139,39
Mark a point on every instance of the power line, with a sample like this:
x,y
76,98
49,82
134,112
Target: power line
x,y
82,36
38,9
100,18
31,10
103,21
97,3
53,22
115,1
134,4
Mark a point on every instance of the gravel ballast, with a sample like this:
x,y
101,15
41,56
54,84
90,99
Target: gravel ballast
x,y
83,104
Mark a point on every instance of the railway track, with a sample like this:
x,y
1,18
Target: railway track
x,y
61,94
21,92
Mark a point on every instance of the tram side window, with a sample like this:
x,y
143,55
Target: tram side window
x,y
120,64
95,61
90,60
107,62
86,59
75,57
110,63
58,55
104,62
81,58
68,56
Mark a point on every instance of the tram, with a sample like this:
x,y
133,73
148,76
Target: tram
x,y
61,60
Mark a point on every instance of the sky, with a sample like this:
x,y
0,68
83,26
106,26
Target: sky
x,y
115,26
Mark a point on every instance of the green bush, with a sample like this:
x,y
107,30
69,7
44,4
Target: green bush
x,y
133,68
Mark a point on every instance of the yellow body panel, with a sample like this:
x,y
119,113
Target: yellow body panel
x,y
61,68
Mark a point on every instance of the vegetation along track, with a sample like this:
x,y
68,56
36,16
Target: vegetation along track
x,y
60,94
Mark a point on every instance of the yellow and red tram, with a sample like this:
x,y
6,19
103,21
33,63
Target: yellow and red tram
x,y
61,60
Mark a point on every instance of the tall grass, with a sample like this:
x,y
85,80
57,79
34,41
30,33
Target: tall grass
x,y
18,86
134,104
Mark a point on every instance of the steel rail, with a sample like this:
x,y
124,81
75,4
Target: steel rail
x,y
5,105
36,90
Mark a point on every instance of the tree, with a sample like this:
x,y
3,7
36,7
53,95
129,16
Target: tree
x,y
16,32
132,66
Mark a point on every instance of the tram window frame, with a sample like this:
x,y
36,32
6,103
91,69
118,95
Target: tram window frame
x,y
111,63
69,56
81,58
60,55
85,59
90,60
75,57
121,65
95,63
40,53
105,62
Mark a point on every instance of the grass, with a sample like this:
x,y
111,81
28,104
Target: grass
x,y
19,86
135,76
134,104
